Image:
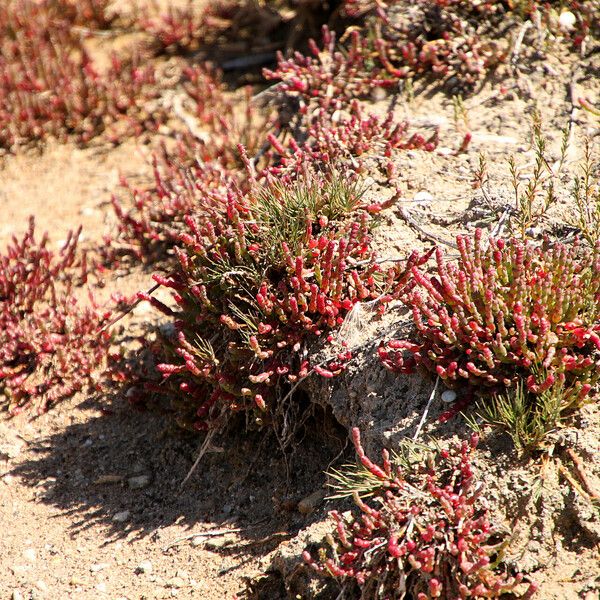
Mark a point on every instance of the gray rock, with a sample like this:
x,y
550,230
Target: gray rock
x,y
310,503
139,482
121,517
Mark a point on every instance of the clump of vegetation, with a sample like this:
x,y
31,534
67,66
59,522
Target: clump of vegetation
x,y
230,25
505,312
205,161
453,42
349,139
262,276
194,172
420,530
50,86
50,346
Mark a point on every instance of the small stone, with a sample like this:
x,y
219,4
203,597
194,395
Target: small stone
x,y
96,568
567,20
76,581
20,569
41,585
445,151
121,517
309,504
16,595
175,582
422,197
101,587
139,482
448,396
29,554
217,543
10,451
144,568
378,94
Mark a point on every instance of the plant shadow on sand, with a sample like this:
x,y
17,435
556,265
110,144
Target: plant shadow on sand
x,y
122,470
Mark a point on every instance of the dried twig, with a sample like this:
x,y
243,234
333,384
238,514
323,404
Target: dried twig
x,y
203,450
519,42
426,411
575,484
125,312
580,471
191,536
412,223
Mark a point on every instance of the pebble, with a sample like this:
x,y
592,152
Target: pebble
x,y
139,482
41,585
217,543
16,595
96,568
29,554
144,567
309,504
121,517
448,396
444,151
10,451
101,587
175,582
567,20
422,197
